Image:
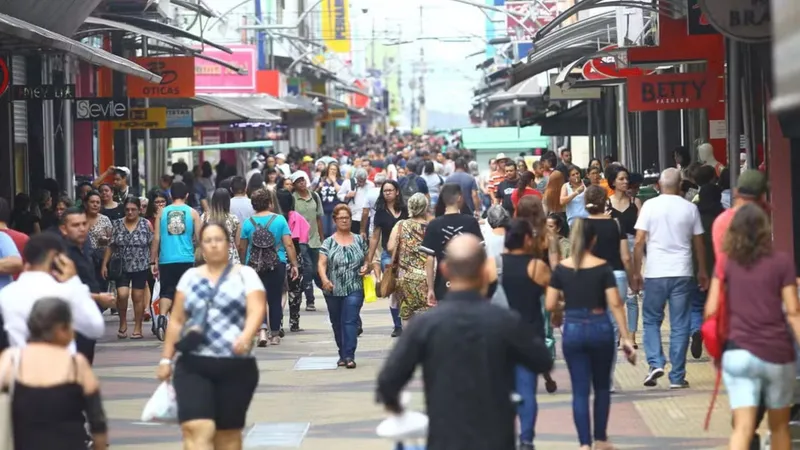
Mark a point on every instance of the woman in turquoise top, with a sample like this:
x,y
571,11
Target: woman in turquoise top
x,y
342,266
572,196
273,279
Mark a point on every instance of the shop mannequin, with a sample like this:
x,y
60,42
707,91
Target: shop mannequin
x,y
705,153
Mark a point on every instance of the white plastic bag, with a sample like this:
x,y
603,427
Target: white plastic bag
x,y
162,406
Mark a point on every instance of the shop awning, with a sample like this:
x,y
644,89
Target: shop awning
x,y
98,25
303,103
567,79
527,89
329,100
216,109
555,58
232,146
163,28
599,24
21,34
261,101
503,138
344,86
156,50
573,121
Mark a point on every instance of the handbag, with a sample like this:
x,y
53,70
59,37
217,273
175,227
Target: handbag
x,y
389,278
193,331
6,420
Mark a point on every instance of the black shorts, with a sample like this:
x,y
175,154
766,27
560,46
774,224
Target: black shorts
x,y
136,280
218,389
170,274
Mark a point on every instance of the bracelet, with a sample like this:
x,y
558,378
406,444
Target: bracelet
x,y
165,362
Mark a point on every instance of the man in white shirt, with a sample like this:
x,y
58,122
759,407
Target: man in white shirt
x,y
356,197
669,226
282,166
48,273
255,167
241,207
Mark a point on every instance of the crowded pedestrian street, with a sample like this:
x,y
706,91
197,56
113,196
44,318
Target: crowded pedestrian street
x,y
304,402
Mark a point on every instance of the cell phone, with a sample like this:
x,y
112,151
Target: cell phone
x,y
54,266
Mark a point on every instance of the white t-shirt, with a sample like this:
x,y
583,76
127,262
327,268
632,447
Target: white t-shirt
x,y
670,222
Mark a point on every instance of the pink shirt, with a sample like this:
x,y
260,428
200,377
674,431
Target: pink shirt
x,y
718,230
299,227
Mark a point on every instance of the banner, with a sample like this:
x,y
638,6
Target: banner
x,y
143,119
673,91
336,25
524,18
177,78
211,78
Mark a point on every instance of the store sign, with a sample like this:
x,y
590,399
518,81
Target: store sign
x,y
334,114
742,20
212,78
696,20
672,91
785,56
524,18
606,67
180,118
177,78
335,25
43,92
101,109
143,119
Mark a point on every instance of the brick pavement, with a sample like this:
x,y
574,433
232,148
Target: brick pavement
x,y
338,409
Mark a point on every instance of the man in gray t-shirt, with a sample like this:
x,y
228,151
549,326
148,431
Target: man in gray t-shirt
x,y
240,204
469,187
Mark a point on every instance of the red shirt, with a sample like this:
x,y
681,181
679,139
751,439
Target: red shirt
x,y
515,198
20,239
718,230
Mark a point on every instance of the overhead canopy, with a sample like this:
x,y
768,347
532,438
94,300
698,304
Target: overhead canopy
x,y
303,103
22,34
329,100
570,122
554,59
232,146
196,7
98,25
163,28
599,24
216,109
567,78
503,138
527,89
155,50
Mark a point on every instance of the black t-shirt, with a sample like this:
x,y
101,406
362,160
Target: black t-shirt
x,y
584,288
114,213
385,221
503,193
24,222
439,232
607,245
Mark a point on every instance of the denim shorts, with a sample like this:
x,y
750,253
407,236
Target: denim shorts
x,y
747,377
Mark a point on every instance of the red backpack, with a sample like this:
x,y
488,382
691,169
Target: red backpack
x,y
715,333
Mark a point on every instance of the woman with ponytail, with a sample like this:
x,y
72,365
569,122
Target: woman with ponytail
x,y
589,289
525,186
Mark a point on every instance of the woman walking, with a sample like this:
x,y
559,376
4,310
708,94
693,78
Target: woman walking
x,y
109,207
589,290
404,246
572,196
758,364
99,236
221,213
223,305
342,265
131,239
495,240
525,278
525,186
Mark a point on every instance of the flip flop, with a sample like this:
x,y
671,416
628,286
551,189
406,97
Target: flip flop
x,y
122,334
137,336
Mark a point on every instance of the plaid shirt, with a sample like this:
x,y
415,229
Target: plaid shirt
x,y
226,311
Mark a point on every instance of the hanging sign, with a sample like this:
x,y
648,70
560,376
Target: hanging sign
x,y
177,78
143,119
101,109
742,20
43,92
606,67
672,91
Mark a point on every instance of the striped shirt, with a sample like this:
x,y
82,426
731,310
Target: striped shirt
x,y
495,178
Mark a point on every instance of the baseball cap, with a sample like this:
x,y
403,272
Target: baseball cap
x,y
123,169
500,157
298,175
280,156
752,183
308,159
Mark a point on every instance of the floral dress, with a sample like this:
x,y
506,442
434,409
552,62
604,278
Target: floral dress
x,y
412,285
99,237
231,225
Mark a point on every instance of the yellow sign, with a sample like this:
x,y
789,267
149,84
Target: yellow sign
x,y
143,119
336,25
334,114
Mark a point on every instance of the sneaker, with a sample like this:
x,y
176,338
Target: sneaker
x,y
683,384
697,345
652,377
310,307
397,332
263,339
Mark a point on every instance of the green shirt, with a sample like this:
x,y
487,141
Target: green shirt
x,y
311,209
344,264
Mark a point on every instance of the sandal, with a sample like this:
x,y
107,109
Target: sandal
x,y
122,334
340,363
262,338
137,336
350,364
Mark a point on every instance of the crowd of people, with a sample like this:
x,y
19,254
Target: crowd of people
x,y
479,267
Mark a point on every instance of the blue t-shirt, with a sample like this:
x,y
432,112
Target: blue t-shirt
x,y
7,248
468,185
279,228
176,229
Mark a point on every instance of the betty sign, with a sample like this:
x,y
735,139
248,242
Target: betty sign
x,y
672,91
211,78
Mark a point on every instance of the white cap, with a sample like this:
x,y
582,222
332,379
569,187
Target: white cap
x,y
123,169
500,156
298,175
280,156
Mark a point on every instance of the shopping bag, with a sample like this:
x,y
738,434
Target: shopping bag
x,y
162,406
156,296
370,294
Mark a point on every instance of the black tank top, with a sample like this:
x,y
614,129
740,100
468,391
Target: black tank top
x,y
47,418
627,218
524,296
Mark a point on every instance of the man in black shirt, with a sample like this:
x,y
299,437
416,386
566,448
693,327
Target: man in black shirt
x,y
74,230
507,187
439,233
566,162
465,345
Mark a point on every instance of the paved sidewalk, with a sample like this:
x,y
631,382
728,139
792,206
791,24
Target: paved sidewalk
x,y
335,409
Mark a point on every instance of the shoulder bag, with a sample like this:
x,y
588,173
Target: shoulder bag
x,y
389,278
194,330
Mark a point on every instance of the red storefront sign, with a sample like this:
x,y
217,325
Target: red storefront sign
x,y
673,91
5,76
360,101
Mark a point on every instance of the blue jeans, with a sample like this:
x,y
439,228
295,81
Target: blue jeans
x,y
698,308
679,292
622,286
589,348
631,302
327,225
310,272
528,408
343,312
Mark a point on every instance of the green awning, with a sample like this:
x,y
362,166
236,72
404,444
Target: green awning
x,y
503,138
233,146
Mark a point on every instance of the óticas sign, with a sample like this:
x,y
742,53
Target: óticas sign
x,y
43,92
673,91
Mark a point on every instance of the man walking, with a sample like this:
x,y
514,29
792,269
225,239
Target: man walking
x,y
465,345
356,197
669,226
469,187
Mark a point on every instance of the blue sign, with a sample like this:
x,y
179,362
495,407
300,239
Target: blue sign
x,y
522,50
180,118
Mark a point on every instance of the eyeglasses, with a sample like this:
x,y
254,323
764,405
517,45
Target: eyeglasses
x,y
343,218
160,202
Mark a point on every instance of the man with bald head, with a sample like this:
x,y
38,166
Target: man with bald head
x,y
468,349
669,227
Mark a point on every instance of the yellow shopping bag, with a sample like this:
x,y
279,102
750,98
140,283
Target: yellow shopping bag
x,y
369,289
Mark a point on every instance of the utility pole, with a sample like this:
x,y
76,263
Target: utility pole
x,y
423,114
398,61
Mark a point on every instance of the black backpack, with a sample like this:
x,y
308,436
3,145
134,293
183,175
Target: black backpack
x,y
410,188
263,251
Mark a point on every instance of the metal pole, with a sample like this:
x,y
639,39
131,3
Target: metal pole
x,y
622,126
734,108
48,144
590,126
149,159
259,37
67,126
